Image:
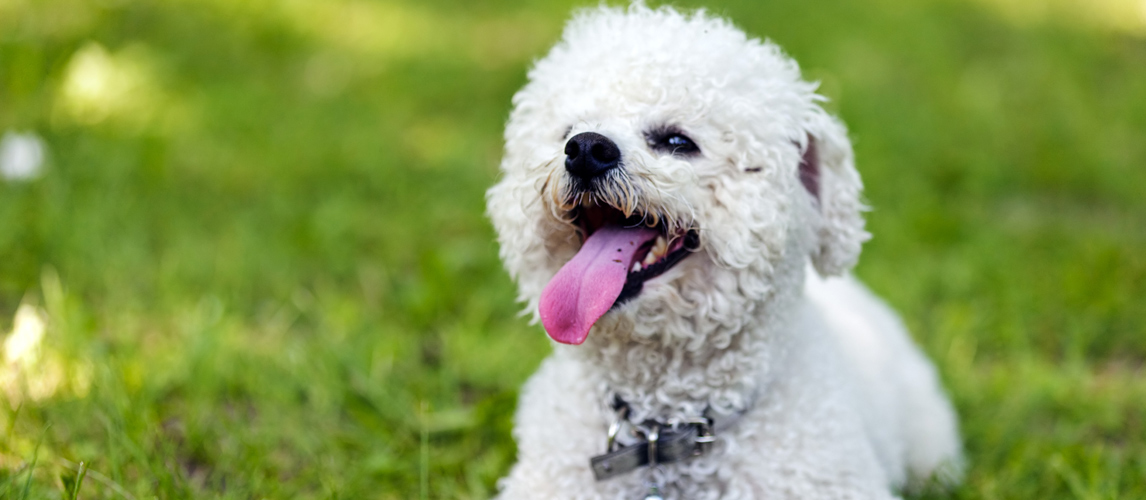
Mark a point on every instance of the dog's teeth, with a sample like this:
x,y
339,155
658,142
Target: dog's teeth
x,y
636,267
650,258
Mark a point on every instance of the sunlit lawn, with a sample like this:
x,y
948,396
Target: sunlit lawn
x,y
259,254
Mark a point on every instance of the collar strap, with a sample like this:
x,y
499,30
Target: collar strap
x,y
659,444
657,448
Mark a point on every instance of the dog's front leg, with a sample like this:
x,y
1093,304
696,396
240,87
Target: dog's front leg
x,y
560,423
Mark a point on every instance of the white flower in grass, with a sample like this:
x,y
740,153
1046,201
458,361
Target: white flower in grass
x,y
21,156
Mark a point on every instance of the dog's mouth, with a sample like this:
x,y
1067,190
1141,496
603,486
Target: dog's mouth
x,y
652,258
619,254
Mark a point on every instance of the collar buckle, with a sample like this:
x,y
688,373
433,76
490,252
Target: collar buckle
x,y
704,437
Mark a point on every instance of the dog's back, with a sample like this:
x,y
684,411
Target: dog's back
x,y
895,383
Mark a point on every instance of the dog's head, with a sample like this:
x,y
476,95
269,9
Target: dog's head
x,y
665,174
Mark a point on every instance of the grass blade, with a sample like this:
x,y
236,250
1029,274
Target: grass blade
x,y
79,481
424,463
32,468
11,479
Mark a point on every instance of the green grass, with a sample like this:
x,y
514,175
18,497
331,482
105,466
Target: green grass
x,y
267,274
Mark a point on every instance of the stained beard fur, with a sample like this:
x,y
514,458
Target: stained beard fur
x,y
562,194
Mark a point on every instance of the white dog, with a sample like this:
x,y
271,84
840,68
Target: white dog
x,y
666,182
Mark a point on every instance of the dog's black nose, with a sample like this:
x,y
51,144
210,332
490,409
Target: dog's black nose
x,y
589,155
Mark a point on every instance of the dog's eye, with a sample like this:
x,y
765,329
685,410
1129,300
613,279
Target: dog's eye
x,y
674,143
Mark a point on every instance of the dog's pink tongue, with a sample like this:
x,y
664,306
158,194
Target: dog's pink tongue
x,y
590,283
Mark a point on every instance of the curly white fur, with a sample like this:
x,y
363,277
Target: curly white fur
x,y
837,402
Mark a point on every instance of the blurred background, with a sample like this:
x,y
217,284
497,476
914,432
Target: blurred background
x,y
243,251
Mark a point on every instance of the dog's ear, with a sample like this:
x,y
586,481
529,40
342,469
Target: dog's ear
x,y
828,172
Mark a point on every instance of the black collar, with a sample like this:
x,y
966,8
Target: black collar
x,y
656,443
